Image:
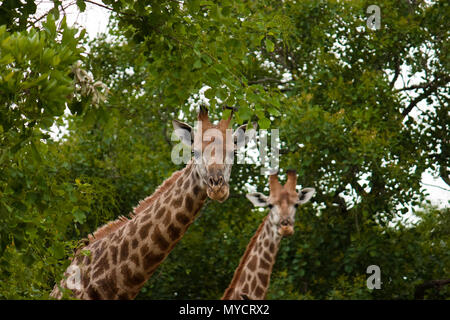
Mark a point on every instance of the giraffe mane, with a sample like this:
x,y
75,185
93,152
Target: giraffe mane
x,y
112,226
237,273
108,228
161,189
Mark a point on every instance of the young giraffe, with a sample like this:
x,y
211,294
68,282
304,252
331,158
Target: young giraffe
x,y
252,276
125,253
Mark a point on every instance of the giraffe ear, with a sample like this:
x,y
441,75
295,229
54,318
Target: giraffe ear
x,y
184,132
242,136
258,199
305,195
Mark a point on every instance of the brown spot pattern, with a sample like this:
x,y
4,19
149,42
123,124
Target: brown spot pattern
x,y
272,248
252,263
263,277
176,203
160,213
143,232
132,227
131,279
253,285
182,218
159,239
174,232
101,266
167,218
151,259
242,279
189,203
93,293
263,264
144,249
134,243
124,250
108,287
259,292
135,258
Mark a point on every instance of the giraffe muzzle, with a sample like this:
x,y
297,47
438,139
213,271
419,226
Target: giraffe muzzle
x,y
215,181
286,228
218,188
218,192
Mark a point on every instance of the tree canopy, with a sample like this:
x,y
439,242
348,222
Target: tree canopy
x,y
361,113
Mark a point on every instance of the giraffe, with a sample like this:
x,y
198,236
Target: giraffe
x,y
252,276
123,254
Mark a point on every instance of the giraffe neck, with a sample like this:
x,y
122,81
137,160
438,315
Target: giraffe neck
x,y
121,262
252,277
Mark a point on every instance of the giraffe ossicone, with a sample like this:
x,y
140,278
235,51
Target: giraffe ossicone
x,y
252,277
122,255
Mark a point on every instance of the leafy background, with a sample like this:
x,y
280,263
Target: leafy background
x,y
339,92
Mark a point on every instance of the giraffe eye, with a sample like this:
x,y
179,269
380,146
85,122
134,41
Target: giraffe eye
x,y
296,205
270,206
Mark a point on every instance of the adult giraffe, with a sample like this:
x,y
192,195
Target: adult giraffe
x,y
252,276
122,255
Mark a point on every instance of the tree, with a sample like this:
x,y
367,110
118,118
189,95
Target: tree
x,y
311,69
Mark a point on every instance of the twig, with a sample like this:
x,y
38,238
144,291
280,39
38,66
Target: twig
x,y
100,5
46,14
428,90
396,74
263,80
432,185
419,292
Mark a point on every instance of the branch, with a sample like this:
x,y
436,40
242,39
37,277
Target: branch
x,y
416,86
46,14
111,9
339,200
264,80
396,74
100,5
419,292
166,137
429,88
341,203
358,187
432,185
445,175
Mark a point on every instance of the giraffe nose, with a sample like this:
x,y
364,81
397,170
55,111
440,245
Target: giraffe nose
x,y
285,222
215,181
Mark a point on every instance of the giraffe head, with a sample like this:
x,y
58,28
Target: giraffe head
x,y
282,201
213,147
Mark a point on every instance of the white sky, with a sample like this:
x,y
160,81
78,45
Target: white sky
x,y
95,21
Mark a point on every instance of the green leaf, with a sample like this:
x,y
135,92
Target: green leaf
x,y
274,111
79,216
226,114
197,64
264,123
269,45
58,250
244,113
222,93
210,93
35,152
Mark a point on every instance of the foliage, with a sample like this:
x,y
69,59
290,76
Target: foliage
x,y
310,68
